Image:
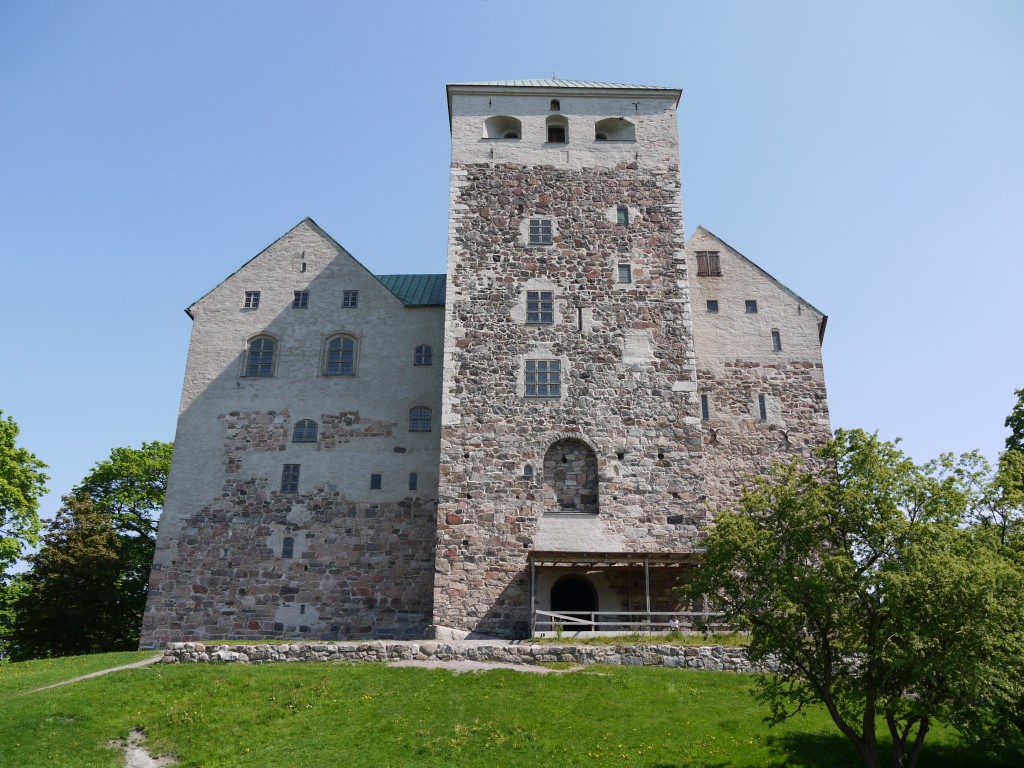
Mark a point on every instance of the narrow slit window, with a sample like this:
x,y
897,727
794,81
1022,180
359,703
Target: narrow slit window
x,y
414,482
705,409
776,341
540,307
622,215
762,407
287,547
625,273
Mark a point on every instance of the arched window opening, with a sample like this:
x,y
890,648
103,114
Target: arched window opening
x,y
259,357
304,431
570,476
341,356
614,129
288,547
556,105
419,419
502,127
558,130
573,595
424,355
528,471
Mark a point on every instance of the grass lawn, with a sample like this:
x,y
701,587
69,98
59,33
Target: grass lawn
x,y
311,715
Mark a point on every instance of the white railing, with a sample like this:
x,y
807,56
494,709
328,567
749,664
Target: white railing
x,y
625,622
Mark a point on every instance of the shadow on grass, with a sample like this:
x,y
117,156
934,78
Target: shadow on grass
x,y
827,751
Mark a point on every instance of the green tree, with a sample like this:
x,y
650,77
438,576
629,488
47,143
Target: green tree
x,y
22,483
130,487
1015,421
11,590
81,597
856,577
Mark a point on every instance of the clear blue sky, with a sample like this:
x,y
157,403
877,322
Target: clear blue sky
x,y
867,154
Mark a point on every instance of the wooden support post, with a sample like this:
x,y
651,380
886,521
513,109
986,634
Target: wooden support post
x,y
647,588
533,597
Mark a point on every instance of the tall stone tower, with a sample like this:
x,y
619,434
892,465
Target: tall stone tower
x,y
571,449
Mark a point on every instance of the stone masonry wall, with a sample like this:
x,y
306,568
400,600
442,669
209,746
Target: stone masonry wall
x,y
358,570
709,657
628,376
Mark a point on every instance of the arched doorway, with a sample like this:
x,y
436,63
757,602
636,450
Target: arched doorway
x,y
573,595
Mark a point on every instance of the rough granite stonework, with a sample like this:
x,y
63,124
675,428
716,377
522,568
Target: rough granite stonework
x,y
717,658
669,372
628,374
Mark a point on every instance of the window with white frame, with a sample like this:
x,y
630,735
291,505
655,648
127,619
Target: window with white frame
x,y
252,300
540,307
350,299
301,300
543,378
540,232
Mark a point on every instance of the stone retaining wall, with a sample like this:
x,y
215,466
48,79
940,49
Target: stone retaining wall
x,y
708,657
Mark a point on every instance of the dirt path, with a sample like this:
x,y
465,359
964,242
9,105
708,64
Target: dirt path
x,y
133,665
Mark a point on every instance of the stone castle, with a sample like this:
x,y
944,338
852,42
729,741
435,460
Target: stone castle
x,y
547,427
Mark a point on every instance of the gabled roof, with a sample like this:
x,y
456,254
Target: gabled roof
x,y
563,84
794,294
416,290
411,290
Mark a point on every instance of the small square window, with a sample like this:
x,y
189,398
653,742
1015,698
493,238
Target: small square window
x,y
252,300
350,298
705,408
540,232
713,306
424,355
375,482
751,307
414,482
622,215
290,478
776,341
301,300
625,273
708,264
543,378
540,307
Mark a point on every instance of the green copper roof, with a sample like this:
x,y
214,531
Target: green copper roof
x,y
564,84
416,290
